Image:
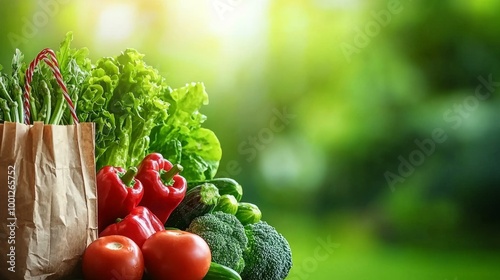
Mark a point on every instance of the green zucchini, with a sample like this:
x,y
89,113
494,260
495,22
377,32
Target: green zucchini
x,y
197,201
221,272
227,204
224,185
248,213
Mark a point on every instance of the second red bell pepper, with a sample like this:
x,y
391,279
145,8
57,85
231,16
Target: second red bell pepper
x,y
118,192
164,188
139,225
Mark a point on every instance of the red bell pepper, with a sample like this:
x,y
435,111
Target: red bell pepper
x,y
139,225
164,188
118,192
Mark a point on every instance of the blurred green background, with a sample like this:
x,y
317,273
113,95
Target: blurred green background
x,y
367,131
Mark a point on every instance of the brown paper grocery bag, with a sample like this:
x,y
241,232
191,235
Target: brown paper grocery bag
x,y
48,196
48,207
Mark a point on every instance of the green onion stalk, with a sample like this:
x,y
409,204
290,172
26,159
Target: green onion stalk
x,y
45,111
13,112
10,103
58,110
46,102
18,95
33,108
6,110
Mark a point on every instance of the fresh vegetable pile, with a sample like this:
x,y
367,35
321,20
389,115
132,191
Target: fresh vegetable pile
x,y
162,214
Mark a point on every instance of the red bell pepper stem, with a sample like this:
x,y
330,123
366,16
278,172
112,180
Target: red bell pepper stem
x,y
169,175
128,177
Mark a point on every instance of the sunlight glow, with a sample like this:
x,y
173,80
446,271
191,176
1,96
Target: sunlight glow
x,y
116,22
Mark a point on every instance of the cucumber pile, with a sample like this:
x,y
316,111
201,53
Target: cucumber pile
x,y
218,194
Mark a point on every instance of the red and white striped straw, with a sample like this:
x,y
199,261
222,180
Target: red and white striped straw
x,y
49,57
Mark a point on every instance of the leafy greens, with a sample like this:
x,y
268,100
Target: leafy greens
x,y
134,110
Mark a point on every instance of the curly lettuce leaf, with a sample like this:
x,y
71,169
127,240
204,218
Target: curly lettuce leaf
x,y
183,140
125,98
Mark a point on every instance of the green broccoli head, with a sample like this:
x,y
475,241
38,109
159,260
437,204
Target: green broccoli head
x,y
225,235
268,255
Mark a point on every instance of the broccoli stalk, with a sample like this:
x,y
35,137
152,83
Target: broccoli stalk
x,y
268,255
225,235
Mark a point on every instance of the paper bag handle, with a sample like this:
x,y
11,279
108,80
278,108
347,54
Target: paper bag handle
x,y
49,57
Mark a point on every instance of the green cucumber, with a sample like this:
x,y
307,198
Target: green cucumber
x,y
221,272
197,201
227,204
225,186
248,213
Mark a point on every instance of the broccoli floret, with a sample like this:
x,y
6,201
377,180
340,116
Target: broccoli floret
x,y
225,235
268,255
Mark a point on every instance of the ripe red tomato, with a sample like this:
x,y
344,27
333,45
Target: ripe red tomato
x,y
113,257
176,254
